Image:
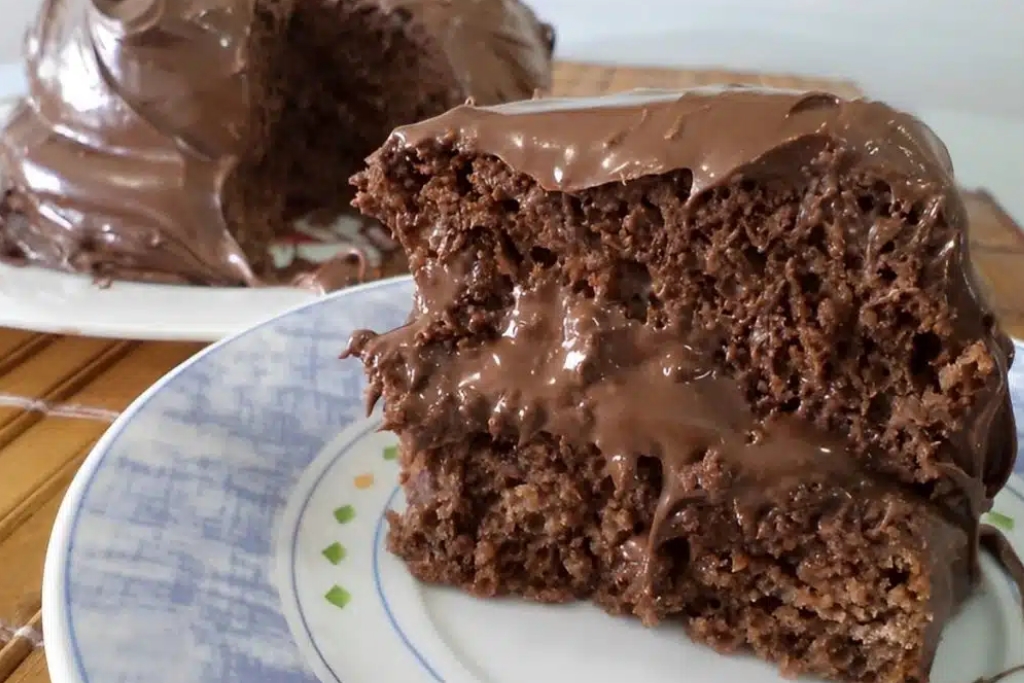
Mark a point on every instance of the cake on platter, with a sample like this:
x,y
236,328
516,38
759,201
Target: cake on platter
x,y
714,356
211,141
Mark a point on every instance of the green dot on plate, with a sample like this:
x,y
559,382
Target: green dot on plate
x,y
334,553
1004,522
391,452
345,514
338,596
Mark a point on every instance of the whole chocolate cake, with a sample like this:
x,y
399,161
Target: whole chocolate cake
x,y
715,356
174,140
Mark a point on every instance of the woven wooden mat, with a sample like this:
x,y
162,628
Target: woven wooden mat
x,y
58,394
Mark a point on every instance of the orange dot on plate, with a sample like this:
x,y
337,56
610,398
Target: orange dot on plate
x,y
364,481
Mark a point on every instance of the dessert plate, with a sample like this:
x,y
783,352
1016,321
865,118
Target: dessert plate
x,y
229,527
63,303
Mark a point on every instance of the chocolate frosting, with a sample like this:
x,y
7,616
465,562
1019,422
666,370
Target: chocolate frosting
x,y
119,153
715,132
136,116
567,365
574,367
499,50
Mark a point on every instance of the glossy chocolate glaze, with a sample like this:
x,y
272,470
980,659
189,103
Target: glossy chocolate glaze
x,y
572,144
116,162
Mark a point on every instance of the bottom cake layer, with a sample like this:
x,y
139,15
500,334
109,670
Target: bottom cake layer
x,y
830,581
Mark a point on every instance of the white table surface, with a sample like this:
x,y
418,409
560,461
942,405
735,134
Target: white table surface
x,y
958,65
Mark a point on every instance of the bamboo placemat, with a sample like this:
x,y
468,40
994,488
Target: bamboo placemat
x,y
58,394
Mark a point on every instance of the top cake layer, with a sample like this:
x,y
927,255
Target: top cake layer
x,y
714,132
139,111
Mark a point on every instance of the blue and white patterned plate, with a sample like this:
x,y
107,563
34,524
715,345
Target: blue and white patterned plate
x,y
229,528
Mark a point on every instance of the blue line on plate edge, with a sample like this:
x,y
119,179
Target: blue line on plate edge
x,y
295,541
373,425
132,413
377,541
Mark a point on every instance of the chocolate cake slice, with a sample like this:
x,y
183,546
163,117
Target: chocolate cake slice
x,y
174,140
713,357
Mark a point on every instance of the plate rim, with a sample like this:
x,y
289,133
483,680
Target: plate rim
x,y
33,317
64,662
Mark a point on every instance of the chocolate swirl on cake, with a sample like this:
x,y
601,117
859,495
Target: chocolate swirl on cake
x,y
174,141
